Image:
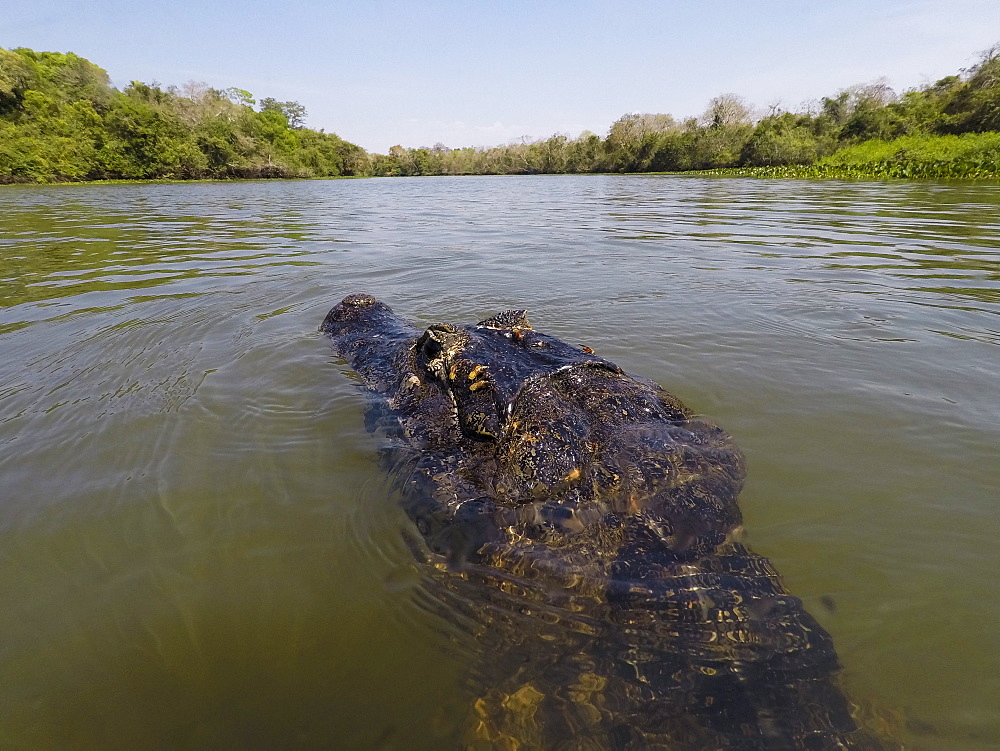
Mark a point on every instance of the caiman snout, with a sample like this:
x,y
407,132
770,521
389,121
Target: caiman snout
x,y
351,312
369,336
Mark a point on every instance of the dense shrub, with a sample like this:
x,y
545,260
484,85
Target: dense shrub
x,y
60,119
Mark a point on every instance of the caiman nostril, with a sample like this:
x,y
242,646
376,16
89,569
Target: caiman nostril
x,y
359,301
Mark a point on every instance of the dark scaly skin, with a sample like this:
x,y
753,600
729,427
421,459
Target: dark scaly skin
x,y
588,522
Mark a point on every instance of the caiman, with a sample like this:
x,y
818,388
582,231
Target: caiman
x,y
587,521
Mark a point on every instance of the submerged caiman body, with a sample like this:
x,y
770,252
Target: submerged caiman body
x,y
592,522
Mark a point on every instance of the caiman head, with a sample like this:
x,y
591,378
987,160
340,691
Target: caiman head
x,y
503,412
552,473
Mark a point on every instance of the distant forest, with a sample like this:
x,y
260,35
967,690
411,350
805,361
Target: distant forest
x,y
61,120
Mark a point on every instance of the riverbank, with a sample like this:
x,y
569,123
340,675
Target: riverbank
x,y
61,120
867,162
970,156
176,181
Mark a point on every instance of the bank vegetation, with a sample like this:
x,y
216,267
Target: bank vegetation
x,y
61,120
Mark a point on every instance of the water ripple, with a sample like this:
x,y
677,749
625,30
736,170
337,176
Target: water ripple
x,y
189,504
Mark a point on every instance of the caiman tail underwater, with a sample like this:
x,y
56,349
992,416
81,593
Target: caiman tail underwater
x,y
592,521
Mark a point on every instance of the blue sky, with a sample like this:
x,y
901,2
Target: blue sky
x,y
474,73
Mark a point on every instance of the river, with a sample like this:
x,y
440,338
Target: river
x,y
197,548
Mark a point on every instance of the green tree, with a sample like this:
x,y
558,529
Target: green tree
x,y
293,112
975,107
627,147
786,138
239,97
15,78
584,153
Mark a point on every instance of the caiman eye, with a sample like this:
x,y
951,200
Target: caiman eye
x,y
431,348
430,342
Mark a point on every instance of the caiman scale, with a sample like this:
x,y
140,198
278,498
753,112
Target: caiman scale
x,y
593,520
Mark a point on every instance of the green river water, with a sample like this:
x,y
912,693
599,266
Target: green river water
x,y
198,549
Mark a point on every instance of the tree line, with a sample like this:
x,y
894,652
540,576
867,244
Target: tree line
x,y
940,119
60,119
